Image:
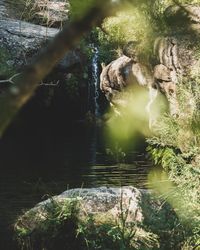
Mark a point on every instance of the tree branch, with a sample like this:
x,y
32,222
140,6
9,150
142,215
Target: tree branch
x,y
10,80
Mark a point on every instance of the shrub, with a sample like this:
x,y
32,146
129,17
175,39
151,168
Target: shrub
x,y
176,147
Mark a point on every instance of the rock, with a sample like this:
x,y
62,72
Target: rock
x,y
122,73
97,200
177,59
139,207
169,70
178,54
3,10
184,18
51,13
19,41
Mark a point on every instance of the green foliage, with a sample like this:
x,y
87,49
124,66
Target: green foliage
x,y
60,225
116,153
54,227
108,49
180,187
130,24
176,147
103,231
181,133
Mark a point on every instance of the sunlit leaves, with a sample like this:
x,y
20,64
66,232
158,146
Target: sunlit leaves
x,y
128,24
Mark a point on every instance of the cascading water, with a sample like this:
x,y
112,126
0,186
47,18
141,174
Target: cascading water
x,y
93,101
95,80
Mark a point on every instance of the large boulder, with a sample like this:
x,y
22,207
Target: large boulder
x,y
20,41
136,211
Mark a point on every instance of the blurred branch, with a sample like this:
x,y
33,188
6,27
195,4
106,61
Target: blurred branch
x,y
29,78
49,84
10,80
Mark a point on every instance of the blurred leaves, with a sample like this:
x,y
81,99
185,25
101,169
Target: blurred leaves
x,y
78,8
129,119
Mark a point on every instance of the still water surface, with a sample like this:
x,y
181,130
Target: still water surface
x,y
47,159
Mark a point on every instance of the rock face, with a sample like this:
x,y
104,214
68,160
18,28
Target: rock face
x,y
175,58
179,50
19,41
3,10
138,207
184,18
169,69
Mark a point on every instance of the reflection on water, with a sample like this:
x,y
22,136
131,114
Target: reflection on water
x,y
50,159
118,175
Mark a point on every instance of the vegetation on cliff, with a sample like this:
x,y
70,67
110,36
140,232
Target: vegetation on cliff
x,y
175,147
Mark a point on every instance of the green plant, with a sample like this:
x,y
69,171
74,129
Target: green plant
x,y
116,153
53,227
175,147
106,231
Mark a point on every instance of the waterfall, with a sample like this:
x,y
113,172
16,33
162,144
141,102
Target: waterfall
x,y
93,101
95,80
